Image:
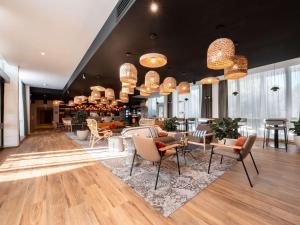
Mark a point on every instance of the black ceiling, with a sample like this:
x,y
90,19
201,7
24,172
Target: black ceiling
x,y
264,31
45,93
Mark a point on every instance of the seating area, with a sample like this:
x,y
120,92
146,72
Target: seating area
x,y
149,112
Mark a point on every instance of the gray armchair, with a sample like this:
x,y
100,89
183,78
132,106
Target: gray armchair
x,y
240,154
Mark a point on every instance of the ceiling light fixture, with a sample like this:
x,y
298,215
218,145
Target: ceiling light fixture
x,y
152,79
183,88
43,53
220,54
128,73
170,84
154,7
238,70
209,80
153,60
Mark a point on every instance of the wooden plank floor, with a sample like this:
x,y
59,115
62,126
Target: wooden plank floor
x,y
50,180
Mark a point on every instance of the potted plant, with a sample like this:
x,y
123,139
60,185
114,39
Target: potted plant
x,y
170,124
296,131
226,129
80,120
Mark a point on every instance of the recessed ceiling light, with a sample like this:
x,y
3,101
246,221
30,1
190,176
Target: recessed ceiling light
x,y
154,7
43,53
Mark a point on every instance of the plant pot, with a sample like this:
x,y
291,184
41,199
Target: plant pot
x,y
82,134
297,141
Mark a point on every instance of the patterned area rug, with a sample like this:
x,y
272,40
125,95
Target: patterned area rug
x,y
173,190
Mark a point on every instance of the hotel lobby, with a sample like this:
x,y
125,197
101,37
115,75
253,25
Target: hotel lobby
x,y
149,112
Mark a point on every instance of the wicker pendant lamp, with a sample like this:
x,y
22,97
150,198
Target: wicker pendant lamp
x,y
127,90
123,97
220,53
109,94
96,95
145,89
128,73
144,94
152,79
128,85
71,103
97,88
104,100
209,80
162,90
170,84
92,100
153,60
83,98
238,70
77,100
183,88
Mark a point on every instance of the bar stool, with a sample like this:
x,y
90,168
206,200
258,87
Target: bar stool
x,y
276,125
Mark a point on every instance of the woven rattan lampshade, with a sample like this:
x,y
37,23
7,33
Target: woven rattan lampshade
x,y
114,103
238,70
128,90
71,103
153,60
97,88
183,88
103,100
169,84
82,98
220,53
145,89
128,85
128,73
109,94
123,97
57,102
210,80
145,94
92,100
152,79
162,90
77,100
96,95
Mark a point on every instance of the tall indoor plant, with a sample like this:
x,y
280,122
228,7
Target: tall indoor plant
x,y
226,128
80,121
296,131
170,124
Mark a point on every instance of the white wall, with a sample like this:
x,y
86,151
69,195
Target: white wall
x,y
11,108
215,100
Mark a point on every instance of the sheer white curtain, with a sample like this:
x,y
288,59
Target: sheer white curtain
x,y
152,103
256,101
187,105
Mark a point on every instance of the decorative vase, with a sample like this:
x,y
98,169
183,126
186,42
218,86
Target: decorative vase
x,y
297,141
82,134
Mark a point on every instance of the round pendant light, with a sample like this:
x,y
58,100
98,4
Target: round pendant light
x,y
71,103
152,79
162,90
96,95
123,97
220,53
103,100
145,89
170,84
183,88
57,102
128,73
128,85
238,70
97,88
77,100
153,60
109,94
144,94
92,100
210,80
82,98
114,103
127,90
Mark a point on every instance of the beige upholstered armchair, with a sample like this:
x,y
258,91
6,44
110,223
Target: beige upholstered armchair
x,y
146,148
236,152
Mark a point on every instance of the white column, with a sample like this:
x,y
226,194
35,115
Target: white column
x,y
11,108
215,100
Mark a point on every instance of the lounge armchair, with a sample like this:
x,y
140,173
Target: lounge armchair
x,y
203,136
97,134
146,148
240,153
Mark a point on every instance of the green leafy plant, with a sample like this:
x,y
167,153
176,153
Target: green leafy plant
x,y
80,118
170,124
226,128
296,129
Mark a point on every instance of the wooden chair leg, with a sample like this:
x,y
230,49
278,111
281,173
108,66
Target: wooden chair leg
x,y
212,152
157,173
285,139
221,159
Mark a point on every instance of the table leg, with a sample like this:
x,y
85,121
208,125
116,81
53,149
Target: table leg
x,y
276,143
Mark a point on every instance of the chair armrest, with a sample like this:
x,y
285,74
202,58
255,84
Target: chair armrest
x,y
226,146
209,134
168,147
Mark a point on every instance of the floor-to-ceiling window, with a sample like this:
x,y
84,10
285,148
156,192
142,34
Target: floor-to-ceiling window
x,y
156,106
267,92
187,105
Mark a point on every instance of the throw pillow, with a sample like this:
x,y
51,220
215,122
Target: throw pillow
x,y
160,144
239,142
